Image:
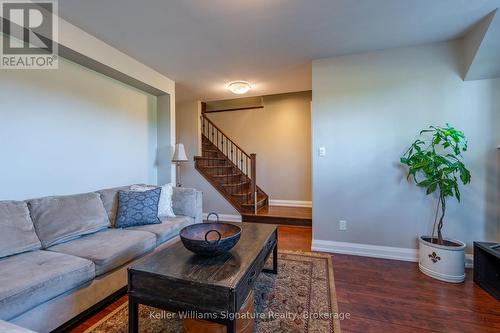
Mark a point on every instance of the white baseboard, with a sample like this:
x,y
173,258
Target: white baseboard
x,y
373,251
365,250
290,203
224,217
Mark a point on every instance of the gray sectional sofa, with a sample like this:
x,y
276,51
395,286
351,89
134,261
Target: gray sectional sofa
x,y
59,256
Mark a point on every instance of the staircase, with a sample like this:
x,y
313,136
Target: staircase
x,y
230,170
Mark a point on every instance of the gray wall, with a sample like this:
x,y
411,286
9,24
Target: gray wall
x,y
73,130
367,109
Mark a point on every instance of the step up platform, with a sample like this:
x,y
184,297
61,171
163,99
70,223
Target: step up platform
x,y
296,216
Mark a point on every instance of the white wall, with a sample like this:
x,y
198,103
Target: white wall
x,y
73,130
367,109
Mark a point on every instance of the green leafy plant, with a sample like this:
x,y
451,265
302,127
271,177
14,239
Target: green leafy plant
x,y
435,163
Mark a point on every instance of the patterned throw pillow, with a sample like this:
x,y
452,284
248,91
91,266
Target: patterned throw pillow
x,y
138,208
165,205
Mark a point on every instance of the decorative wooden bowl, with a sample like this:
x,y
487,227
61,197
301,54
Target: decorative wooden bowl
x,y
210,239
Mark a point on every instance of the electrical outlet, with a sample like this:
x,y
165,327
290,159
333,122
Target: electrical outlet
x,y
342,225
322,151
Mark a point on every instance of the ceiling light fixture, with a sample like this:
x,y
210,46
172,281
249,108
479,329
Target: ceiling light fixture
x,y
239,87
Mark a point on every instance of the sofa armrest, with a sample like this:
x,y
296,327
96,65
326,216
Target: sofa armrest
x,y
188,202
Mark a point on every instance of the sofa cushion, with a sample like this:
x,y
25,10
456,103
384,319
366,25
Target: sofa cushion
x,y
138,208
17,232
168,229
109,199
110,248
32,278
59,219
165,204
184,201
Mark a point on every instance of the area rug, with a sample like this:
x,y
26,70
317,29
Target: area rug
x,y
301,298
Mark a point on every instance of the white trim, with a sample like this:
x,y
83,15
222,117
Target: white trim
x,y
224,217
365,250
373,251
290,203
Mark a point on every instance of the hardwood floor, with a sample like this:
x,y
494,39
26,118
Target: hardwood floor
x,y
390,296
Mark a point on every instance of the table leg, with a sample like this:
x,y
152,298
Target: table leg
x,y
274,270
275,259
133,316
231,326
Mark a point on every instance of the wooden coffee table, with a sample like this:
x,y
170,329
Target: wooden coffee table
x,y
176,280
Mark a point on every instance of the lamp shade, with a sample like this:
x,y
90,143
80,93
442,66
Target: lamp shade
x,y
179,153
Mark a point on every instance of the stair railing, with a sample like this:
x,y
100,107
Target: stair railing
x,y
246,163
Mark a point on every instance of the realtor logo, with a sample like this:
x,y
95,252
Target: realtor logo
x,y
29,39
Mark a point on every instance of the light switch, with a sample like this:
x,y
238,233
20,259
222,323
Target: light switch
x,y
322,151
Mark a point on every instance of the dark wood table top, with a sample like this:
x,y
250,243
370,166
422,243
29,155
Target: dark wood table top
x,y
176,262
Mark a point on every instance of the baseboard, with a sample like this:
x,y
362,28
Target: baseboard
x,y
224,217
365,250
373,251
290,203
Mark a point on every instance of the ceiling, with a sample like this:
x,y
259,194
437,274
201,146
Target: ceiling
x,y
203,44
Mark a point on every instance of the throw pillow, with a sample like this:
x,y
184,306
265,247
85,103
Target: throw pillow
x,y
138,208
165,205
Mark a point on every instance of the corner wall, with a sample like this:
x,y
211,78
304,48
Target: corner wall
x,y
367,109
73,130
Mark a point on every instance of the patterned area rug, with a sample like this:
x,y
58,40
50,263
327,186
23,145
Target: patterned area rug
x,y
301,298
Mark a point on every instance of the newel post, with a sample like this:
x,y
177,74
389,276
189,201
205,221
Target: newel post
x,y
253,178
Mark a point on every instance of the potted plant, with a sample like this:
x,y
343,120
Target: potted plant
x,y
434,162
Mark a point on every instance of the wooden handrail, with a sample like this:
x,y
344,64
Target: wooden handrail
x,y
235,109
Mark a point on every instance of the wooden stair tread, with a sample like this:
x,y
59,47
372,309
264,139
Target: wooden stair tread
x,y
228,175
210,158
236,184
242,194
260,199
216,166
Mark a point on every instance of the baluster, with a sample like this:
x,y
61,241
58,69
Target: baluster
x,y
241,160
253,176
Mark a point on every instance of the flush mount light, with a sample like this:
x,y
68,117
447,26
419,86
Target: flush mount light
x,y
239,87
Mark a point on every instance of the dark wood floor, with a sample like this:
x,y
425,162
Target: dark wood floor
x,y
391,296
